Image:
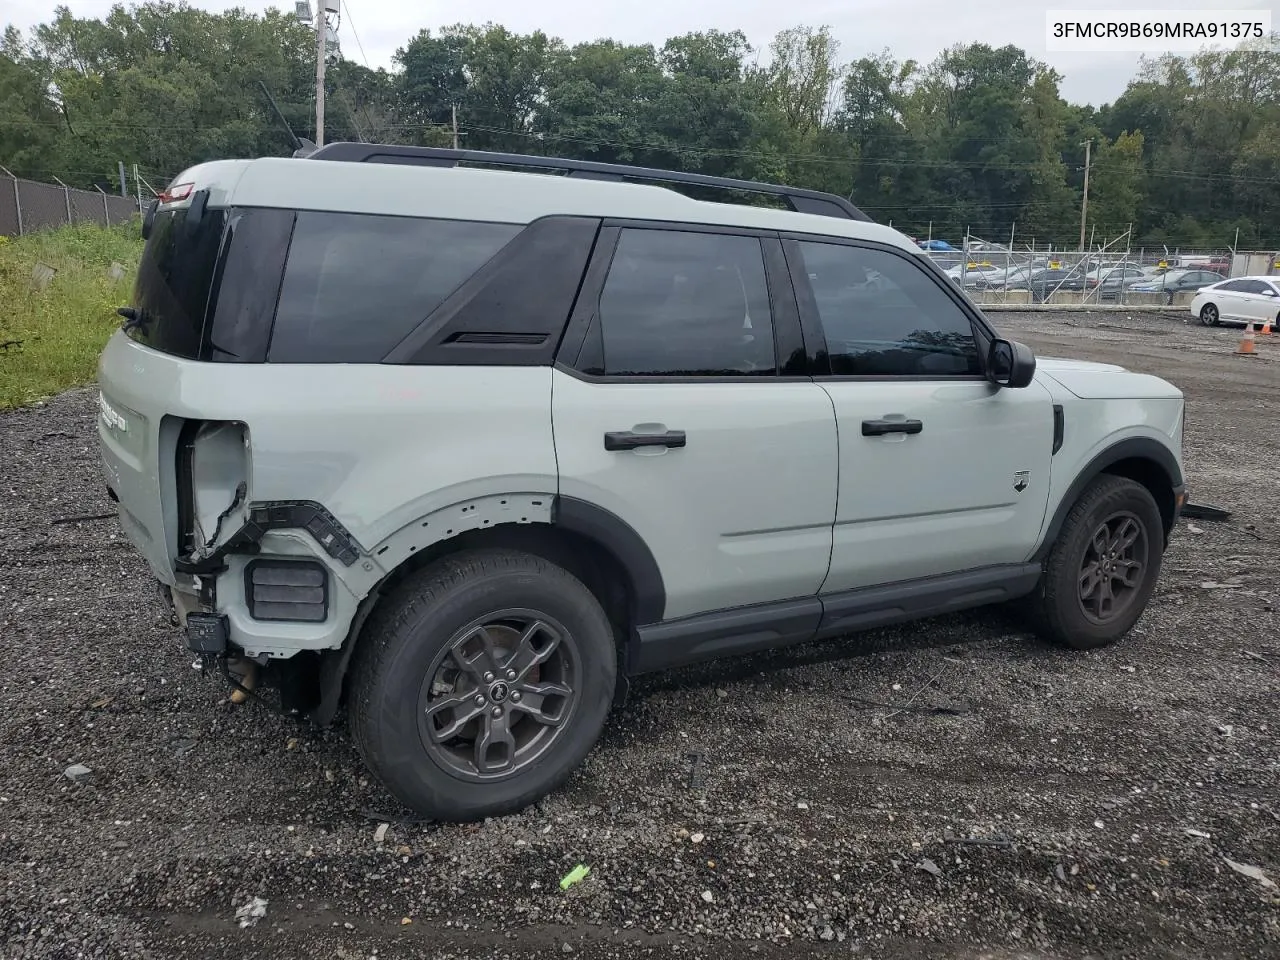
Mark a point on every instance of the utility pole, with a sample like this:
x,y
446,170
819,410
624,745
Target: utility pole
x,y
321,39
1084,203
455,126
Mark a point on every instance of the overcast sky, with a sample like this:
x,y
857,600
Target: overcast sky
x,y
916,29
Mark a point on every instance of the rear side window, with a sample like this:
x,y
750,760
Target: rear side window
x,y
355,285
171,295
685,304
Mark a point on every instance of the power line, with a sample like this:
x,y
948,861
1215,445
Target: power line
x,y
347,11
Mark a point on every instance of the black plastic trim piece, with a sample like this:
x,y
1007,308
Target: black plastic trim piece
x,y
1135,448
707,636
799,199
1059,427
929,597
514,309
587,303
765,626
626,440
279,515
788,334
249,595
620,539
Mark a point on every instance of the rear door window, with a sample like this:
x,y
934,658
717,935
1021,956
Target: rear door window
x,y
685,304
171,295
356,284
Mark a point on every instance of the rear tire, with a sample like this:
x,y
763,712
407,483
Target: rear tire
x,y
1110,546
481,683
1209,315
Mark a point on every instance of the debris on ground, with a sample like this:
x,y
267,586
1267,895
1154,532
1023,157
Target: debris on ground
x,y
1205,511
929,867
1254,873
708,896
576,875
1198,834
77,773
381,833
251,912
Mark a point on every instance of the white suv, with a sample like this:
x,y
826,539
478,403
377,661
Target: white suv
x,y
464,448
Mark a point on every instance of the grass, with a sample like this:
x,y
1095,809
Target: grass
x,y
54,335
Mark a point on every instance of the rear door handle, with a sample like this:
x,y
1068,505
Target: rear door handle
x,y
626,440
879,428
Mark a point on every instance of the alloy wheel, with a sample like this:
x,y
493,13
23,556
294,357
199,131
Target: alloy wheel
x,y
1113,568
499,695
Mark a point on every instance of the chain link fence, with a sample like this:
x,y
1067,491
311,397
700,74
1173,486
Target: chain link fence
x,y
1114,273
27,206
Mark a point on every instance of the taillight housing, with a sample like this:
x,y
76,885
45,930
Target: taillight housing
x,y
176,192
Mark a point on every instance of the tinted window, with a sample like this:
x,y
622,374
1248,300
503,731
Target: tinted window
x,y
677,303
174,278
354,285
247,285
1254,286
1235,286
883,315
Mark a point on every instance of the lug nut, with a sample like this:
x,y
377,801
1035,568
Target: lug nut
x,y
497,711
479,700
515,697
511,674
488,678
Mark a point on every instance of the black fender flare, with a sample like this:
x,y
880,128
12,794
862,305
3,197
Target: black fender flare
x,y
614,534
1134,448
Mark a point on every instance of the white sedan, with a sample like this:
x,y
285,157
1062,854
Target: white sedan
x,y
1241,300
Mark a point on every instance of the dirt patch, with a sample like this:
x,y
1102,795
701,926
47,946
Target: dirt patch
x,y
832,821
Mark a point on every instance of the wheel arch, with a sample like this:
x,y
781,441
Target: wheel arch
x,y
595,545
1141,459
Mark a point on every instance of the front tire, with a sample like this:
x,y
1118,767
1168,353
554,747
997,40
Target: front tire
x,y
481,683
1103,567
1209,315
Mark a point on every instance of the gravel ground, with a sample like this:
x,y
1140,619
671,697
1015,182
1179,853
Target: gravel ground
x,y
824,822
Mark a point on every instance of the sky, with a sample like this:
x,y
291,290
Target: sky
x,y
909,29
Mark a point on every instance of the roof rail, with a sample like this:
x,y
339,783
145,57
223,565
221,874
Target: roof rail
x,y
797,198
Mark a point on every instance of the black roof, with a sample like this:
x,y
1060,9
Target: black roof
x,y
796,198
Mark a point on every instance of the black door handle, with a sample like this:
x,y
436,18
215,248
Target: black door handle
x,y
878,428
626,440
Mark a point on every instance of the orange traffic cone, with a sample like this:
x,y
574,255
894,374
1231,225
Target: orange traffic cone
x,y
1266,328
1246,342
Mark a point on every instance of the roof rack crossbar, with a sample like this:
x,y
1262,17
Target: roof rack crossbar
x,y
797,198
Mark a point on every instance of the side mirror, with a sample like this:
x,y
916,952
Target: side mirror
x,y
1010,364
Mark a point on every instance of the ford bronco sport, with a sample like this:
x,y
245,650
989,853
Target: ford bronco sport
x,y
461,445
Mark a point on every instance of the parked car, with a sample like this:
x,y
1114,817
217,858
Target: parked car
x,y
1241,300
1112,281
1102,269
1177,281
1044,282
329,431
971,274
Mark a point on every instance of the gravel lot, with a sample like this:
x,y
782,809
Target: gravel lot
x,y
821,826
